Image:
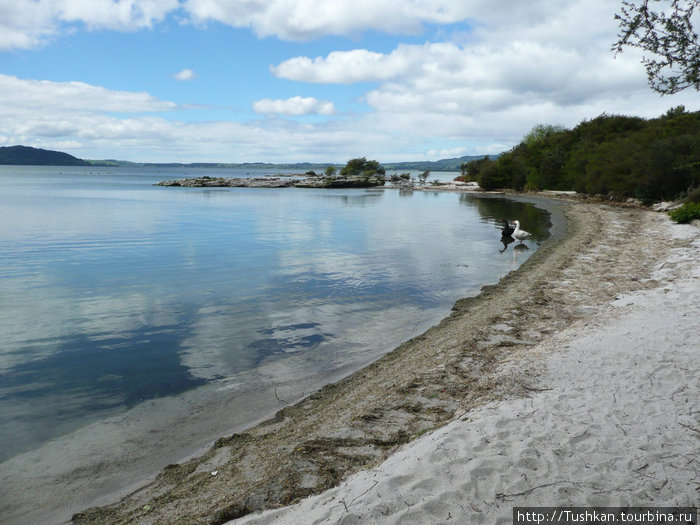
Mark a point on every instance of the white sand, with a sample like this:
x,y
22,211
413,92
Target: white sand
x,y
615,421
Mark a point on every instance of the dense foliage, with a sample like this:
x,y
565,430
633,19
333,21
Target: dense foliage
x,y
612,155
362,167
686,213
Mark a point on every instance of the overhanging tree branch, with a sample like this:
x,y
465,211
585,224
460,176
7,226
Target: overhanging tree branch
x,y
668,35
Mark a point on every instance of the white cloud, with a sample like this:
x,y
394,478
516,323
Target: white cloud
x,y
522,65
185,75
38,97
343,67
121,15
295,106
516,65
88,121
30,23
25,24
307,19
447,153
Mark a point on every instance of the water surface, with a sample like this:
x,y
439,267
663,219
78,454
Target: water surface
x,y
114,292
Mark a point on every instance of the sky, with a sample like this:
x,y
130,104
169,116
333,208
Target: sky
x,y
309,80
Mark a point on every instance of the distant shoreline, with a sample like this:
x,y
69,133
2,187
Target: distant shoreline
x,y
29,156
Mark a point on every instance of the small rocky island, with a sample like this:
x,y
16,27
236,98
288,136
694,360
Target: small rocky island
x,y
314,181
357,173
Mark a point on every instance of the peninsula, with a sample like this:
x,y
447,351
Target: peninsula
x,y
357,173
314,181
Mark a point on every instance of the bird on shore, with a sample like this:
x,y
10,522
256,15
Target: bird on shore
x,y
519,234
507,230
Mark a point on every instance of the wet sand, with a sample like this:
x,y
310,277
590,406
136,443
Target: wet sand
x,y
493,350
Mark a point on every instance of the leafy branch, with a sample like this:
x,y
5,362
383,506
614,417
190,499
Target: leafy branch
x,y
670,37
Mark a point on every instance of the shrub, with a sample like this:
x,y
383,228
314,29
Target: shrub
x,y
362,166
686,213
533,179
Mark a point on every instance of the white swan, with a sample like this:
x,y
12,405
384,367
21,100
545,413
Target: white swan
x,y
519,234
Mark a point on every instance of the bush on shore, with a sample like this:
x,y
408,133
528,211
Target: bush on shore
x,y
616,156
686,213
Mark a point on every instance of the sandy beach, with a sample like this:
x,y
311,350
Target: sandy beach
x,y
574,381
612,419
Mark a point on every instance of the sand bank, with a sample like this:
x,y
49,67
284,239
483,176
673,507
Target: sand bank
x,y
539,395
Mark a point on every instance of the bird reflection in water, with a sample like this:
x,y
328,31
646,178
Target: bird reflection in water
x,y
506,240
517,249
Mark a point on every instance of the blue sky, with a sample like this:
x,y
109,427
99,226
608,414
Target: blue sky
x,y
303,80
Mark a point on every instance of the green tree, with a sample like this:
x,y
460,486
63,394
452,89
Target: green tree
x,y
470,170
330,171
496,175
541,132
424,176
666,34
612,155
362,166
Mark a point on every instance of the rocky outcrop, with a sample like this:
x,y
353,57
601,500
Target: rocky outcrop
x,y
231,182
340,182
274,182
666,206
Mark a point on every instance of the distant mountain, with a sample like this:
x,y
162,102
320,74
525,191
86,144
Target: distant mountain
x,y
25,155
437,165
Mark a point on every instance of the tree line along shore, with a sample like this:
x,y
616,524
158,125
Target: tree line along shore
x,y
617,156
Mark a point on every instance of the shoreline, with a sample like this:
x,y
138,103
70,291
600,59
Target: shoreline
x,y
611,419
109,458
465,362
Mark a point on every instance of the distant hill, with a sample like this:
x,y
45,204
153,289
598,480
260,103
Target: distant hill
x,y
24,155
27,156
438,165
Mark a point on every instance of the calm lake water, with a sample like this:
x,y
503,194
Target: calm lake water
x,y
115,292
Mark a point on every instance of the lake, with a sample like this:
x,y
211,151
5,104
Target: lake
x,y
151,320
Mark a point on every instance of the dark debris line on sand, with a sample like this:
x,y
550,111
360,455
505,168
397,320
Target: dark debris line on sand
x,y
451,368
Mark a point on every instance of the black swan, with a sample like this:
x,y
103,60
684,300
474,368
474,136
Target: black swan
x,y
507,230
